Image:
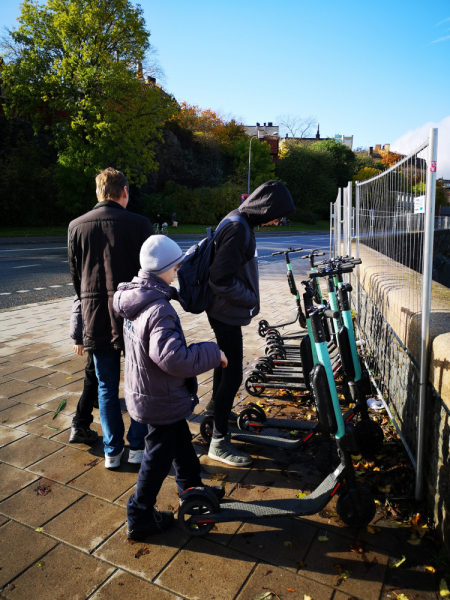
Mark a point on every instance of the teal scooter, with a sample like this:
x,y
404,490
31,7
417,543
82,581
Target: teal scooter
x,y
200,510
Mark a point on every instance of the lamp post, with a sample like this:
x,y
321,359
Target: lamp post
x,y
250,160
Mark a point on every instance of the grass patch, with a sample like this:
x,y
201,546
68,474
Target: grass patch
x,y
180,230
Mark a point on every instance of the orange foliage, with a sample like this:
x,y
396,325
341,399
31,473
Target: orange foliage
x,y
206,121
389,158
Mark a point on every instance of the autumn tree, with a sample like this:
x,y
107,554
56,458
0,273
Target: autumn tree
x,y
389,158
78,68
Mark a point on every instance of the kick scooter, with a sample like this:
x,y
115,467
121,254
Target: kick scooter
x,y
200,510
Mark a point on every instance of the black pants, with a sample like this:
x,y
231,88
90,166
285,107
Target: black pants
x,y
83,415
164,445
226,381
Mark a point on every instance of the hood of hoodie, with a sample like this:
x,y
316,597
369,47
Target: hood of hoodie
x,y
272,200
131,298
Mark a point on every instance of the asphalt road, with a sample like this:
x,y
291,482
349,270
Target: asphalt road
x,y
37,272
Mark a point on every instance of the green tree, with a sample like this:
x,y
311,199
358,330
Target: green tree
x,y
366,173
262,166
75,66
309,174
343,160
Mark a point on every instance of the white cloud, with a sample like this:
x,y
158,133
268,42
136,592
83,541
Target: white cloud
x,y
442,39
443,21
412,139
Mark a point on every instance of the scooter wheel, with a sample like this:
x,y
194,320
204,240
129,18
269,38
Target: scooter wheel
x,y
190,510
264,367
249,420
302,320
259,410
206,428
263,325
326,458
350,513
276,353
273,344
369,437
253,383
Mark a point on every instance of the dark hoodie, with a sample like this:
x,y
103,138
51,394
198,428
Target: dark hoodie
x,y
160,368
233,275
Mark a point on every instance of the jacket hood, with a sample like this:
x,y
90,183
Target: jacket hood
x,y
131,298
272,200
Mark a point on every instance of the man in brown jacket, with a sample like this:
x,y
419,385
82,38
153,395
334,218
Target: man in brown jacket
x,y
104,246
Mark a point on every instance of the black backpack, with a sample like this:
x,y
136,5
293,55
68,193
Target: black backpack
x,y
193,275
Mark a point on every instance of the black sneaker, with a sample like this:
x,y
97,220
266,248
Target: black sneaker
x,y
158,522
82,436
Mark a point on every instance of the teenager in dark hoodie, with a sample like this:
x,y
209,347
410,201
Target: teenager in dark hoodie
x,y
160,382
234,279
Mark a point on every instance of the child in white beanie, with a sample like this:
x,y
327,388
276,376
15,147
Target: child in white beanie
x,y
160,382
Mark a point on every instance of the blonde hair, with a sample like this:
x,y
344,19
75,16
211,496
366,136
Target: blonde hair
x,y
110,184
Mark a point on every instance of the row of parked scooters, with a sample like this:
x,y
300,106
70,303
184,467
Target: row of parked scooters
x,y
308,360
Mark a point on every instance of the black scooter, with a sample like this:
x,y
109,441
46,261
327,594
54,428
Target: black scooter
x,y
200,510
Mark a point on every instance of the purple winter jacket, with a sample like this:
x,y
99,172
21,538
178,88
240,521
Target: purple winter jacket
x,y
159,366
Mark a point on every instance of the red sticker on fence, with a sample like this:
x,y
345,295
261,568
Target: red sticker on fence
x,y
432,166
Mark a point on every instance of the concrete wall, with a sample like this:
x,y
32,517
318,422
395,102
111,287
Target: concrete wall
x,y
390,316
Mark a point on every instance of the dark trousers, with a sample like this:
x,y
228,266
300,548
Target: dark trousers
x,y
226,381
83,415
164,445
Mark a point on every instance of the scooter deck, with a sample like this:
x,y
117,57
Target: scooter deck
x,y
266,440
296,424
247,511
280,385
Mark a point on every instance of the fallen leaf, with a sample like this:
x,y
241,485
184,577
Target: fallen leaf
x,y
414,541
301,564
68,377
51,427
268,572
385,489
288,544
61,406
322,538
40,564
443,589
301,495
92,463
430,569
400,562
245,486
218,476
305,597
141,552
39,529
42,490
357,546
418,526
372,529
290,590
401,596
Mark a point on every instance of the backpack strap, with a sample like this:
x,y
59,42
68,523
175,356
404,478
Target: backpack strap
x,y
238,219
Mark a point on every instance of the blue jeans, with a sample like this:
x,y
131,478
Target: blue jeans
x,y
107,368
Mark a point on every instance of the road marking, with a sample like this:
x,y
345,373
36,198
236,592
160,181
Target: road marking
x,y
21,291
39,288
24,266
54,286
5,293
69,283
34,249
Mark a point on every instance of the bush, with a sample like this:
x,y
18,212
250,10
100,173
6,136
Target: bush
x,y
305,215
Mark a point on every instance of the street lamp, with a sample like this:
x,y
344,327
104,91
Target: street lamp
x,y
250,159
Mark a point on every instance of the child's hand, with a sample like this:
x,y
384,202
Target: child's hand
x,y
78,349
223,360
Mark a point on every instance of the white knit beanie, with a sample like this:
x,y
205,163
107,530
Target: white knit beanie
x,y
159,254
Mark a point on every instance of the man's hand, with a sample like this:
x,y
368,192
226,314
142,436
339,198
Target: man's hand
x,y
223,360
78,349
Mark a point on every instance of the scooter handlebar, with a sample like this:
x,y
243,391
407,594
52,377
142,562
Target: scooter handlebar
x,y
331,314
290,251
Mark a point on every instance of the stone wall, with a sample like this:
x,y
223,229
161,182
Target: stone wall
x,y
390,317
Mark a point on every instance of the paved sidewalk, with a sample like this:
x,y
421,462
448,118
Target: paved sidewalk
x,y
62,514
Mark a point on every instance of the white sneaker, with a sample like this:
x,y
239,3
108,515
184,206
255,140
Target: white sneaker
x,y
135,457
113,462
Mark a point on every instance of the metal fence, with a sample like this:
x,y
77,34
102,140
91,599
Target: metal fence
x,y
388,221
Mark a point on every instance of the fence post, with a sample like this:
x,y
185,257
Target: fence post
x,y
426,303
331,226
337,222
357,250
344,222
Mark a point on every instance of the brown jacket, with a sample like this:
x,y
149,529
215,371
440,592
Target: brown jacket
x,y
104,246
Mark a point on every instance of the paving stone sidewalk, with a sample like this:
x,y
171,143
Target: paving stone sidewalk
x,y
63,515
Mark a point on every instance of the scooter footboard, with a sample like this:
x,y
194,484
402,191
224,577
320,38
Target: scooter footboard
x,y
323,400
310,505
346,353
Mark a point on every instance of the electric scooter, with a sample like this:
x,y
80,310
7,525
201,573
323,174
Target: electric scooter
x,y
200,510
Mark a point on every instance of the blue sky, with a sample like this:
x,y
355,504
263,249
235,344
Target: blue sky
x,y
375,70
